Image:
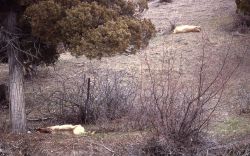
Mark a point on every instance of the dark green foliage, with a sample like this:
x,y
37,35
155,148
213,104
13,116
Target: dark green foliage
x,y
82,18
26,2
106,40
87,15
91,28
141,31
120,6
243,7
39,53
67,4
43,22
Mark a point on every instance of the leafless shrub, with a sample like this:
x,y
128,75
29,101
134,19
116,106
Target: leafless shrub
x,y
176,106
178,109
100,97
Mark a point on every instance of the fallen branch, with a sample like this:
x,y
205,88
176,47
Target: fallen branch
x,y
110,150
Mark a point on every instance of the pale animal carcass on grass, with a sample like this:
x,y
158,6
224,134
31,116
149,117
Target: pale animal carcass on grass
x,y
72,129
186,29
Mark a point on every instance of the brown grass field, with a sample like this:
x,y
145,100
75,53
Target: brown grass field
x,y
221,33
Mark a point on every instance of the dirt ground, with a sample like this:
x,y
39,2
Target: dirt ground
x,y
221,33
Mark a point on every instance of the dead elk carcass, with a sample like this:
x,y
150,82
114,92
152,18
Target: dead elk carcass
x,y
63,129
186,29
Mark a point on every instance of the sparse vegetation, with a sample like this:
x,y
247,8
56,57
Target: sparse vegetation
x,y
232,127
92,28
101,98
180,112
177,96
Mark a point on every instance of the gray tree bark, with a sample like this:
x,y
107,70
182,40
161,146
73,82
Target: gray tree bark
x,y
17,103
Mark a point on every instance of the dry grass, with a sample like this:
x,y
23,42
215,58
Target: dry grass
x,y
46,144
221,31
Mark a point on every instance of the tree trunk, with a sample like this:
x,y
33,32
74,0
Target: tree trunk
x,y
17,103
